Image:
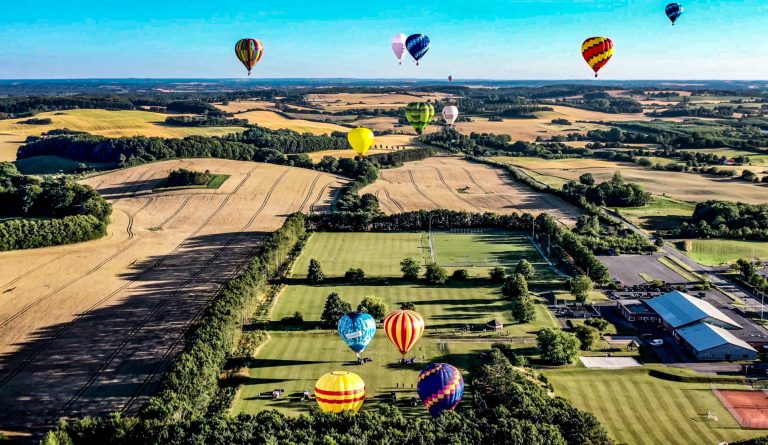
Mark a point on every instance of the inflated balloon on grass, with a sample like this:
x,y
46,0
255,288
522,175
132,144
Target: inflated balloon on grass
x,y
404,328
361,140
357,330
340,391
440,387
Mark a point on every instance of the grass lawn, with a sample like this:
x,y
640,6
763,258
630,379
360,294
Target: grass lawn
x,y
662,213
50,165
639,409
213,184
295,357
714,252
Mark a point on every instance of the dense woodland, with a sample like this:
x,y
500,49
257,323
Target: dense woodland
x,y
48,212
205,121
720,219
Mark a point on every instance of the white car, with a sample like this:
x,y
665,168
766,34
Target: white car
x,y
657,342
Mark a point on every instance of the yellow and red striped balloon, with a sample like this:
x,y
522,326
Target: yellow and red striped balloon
x,y
249,52
597,51
404,329
340,391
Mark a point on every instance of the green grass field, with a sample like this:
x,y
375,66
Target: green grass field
x,y
295,357
50,165
714,252
662,213
639,409
215,182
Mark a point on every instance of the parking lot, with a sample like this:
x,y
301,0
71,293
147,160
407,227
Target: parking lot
x,y
627,269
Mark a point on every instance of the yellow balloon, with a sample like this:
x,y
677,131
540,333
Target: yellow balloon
x,y
340,391
361,140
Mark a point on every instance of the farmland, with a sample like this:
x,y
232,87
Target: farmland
x,y
106,316
679,186
455,184
713,252
294,357
275,121
637,408
350,101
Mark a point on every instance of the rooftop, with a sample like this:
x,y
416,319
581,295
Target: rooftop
x,y
703,336
679,309
635,306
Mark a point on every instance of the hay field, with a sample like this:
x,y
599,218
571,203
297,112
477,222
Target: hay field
x,y
245,105
348,101
9,145
681,186
102,319
275,121
715,252
111,124
453,183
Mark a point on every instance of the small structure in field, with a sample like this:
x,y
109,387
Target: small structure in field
x,y
496,325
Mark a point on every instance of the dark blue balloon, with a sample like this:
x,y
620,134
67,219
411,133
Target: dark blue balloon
x,y
674,10
417,45
440,387
357,330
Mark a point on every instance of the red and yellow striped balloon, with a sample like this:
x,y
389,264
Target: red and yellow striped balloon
x,y
249,52
597,51
404,328
340,391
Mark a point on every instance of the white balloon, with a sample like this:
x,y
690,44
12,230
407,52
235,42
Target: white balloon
x,y
398,46
450,114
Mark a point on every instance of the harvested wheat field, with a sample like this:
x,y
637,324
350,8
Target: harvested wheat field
x,y
9,146
682,186
275,121
353,101
446,182
88,328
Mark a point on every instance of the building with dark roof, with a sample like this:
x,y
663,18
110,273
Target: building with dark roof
x,y
636,310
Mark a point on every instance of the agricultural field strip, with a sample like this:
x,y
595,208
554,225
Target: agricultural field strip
x,y
420,192
155,265
170,295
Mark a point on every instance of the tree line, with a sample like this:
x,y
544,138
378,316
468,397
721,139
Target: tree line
x,y
722,219
510,405
205,121
48,212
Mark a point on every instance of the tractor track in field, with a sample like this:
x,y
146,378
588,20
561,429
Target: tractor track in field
x,y
388,208
420,192
313,206
173,215
454,192
309,193
168,297
394,201
27,273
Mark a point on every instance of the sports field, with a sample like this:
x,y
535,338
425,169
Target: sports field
x,y
714,252
638,409
663,213
294,358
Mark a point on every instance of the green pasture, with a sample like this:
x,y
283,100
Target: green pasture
x,y
714,252
296,356
663,213
638,409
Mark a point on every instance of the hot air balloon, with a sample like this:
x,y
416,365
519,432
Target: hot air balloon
x,y
417,45
450,114
249,52
674,10
398,47
597,51
450,78
419,114
440,387
360,139
403,328
357,330
340,391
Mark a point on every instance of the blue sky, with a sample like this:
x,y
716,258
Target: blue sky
x,y
489,39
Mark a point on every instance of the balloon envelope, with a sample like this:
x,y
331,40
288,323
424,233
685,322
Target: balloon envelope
x,y
357,330
340,391
440,387
249,52
398,46
597,51
674,10
403,328
419,115
450,78
417,45
360,139
450,114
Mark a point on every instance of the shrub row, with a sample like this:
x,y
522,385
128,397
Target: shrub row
x,y
33,233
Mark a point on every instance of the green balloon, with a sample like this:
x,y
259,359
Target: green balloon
x,y
419,114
